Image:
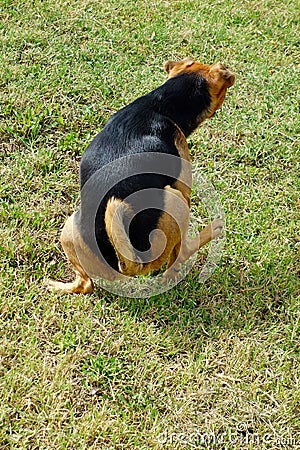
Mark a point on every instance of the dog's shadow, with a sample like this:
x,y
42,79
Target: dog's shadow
x,y
196,313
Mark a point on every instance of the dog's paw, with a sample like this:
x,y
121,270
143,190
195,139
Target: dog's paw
x,y
82,287
171,274
217,226
49,284
52,285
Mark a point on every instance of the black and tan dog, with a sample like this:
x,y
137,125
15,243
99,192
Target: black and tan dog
x,y
110,235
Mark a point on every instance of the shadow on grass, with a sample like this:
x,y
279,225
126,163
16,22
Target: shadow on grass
x,y
231,300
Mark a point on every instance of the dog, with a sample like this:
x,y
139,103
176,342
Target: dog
x,y
119,232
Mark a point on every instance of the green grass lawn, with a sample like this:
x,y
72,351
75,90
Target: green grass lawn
x,y
221,358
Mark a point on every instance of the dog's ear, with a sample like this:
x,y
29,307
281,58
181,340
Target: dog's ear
x,y
169,65
220,71
186,62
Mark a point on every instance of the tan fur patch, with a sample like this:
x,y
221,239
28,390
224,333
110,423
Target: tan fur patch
x,y
116,211
173,223
184,182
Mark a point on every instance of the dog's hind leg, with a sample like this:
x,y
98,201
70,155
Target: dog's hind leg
x,y
82,283
210,232
187,247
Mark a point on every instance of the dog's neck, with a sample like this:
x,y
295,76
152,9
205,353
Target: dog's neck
x,y
185,99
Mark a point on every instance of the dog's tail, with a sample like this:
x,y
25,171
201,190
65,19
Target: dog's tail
x,y
117,214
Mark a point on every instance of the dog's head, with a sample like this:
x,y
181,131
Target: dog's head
x,y
218,77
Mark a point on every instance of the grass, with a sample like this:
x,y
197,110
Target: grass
x,y
221,358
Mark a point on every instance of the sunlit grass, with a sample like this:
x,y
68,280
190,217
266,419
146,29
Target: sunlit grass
x,y
106,372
